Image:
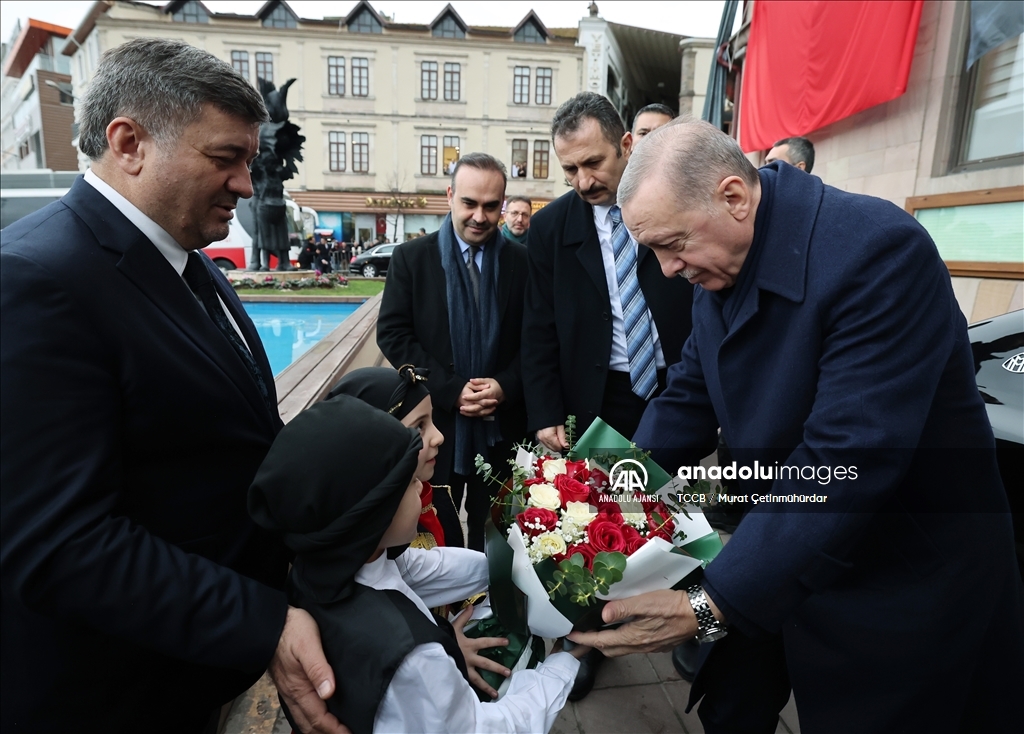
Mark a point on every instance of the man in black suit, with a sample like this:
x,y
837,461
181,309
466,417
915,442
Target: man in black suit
x,y
602,323
454,303
136,405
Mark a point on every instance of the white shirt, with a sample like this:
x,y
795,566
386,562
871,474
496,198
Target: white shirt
x,y
174,253
619,360
427,692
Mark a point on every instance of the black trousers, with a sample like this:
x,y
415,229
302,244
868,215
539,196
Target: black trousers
x,y
621,408
478,492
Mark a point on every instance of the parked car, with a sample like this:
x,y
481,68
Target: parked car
x,y
374,262
998,346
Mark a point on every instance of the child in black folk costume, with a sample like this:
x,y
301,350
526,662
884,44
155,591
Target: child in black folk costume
x,y
396,670
403,394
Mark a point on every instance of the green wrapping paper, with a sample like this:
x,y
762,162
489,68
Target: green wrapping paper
x,y
518,646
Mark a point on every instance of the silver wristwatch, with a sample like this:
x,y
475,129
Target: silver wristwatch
x,y
709,629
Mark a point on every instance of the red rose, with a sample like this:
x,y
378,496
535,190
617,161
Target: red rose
x,y
598,478
569,490
605,534
577,470
542,521
534,480
610,511
584,549
634,540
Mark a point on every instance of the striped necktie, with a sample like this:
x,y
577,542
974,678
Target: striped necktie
x,y
643,375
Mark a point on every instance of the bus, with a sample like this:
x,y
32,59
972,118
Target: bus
x,y
24,192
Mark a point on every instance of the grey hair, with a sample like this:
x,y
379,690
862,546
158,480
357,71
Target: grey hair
x,y
514,199
162,85
482,162
589,105
694,157
800,149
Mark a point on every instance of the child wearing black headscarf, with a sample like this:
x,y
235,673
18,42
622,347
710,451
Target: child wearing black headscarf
x,y
396,670
403,393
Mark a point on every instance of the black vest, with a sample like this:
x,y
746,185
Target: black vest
x,y
366,637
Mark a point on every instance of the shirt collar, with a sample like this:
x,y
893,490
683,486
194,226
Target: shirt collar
x,y
175,254
605,213
463,245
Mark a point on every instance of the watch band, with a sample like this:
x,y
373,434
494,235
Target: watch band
x,y
709,629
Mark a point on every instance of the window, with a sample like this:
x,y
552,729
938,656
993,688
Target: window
x,y
520,149
541,156
521,90
428,155
336,76
448,28
365,23
191,12
360,78
529,33
336,143
360,152
265,66
543,92
452,82
428,80
23,149
994,120
240,62
279,17
450,153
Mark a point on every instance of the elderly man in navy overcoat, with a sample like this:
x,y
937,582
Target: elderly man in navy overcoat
x,y
826,335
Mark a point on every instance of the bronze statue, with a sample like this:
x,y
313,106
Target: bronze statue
x,y
280,148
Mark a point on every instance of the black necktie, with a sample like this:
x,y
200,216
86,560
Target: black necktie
x,y
199,280
474,272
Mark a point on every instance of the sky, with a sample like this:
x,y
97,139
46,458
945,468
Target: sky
x,y
684,17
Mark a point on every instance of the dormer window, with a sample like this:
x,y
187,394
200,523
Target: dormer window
x,y
280,17
529,33
191,12
365,23
448,28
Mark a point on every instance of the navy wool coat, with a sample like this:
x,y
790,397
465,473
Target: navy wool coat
x,y
850,350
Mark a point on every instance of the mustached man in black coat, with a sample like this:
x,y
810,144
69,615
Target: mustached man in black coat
x,y
602,322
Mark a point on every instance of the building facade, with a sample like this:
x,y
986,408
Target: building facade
x,y
386,108
38,106
950,150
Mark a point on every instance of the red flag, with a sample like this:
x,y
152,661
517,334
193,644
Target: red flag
x,y
810,64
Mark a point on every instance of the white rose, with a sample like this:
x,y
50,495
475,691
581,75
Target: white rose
x,y
546,496
580,513
552,468
636,519
549,544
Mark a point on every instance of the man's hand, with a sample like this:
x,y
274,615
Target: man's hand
x,y
659,620
303,678
553,438
470,648
484,397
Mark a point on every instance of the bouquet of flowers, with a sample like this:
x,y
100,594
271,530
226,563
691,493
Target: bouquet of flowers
x,y
571,533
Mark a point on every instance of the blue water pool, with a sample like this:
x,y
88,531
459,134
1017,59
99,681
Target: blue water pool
x,y
288,330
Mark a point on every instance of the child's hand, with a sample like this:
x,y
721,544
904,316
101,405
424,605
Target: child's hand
x,y
470,647
577,651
